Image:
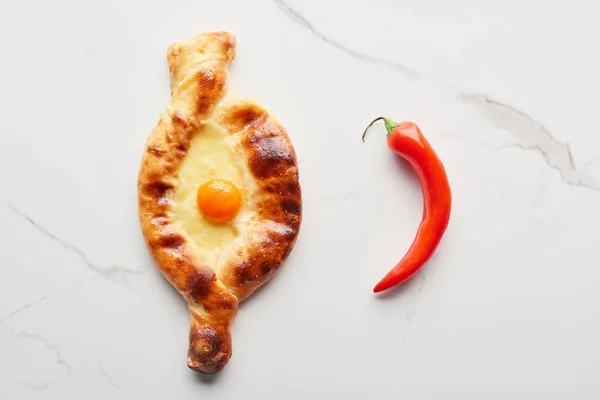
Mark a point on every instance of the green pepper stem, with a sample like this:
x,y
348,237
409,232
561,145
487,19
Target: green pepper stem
x,y
389,126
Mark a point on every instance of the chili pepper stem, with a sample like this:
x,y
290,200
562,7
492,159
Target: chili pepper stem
x,y
389,126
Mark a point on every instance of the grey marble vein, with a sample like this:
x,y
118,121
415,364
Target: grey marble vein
x,y
531,135
111,272
302,21
536,201
39,300
23,308
51,347
108,377
60,359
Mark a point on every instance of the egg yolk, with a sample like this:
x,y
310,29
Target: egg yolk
x,y
219,200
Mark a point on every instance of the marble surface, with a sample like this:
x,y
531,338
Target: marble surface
x,y
506,91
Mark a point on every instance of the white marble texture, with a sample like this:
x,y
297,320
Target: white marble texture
x,y
507,92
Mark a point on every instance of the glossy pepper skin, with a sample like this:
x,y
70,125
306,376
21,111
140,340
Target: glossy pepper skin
x,y
406,140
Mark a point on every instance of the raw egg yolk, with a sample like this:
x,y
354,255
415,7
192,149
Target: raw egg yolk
x,y
219,200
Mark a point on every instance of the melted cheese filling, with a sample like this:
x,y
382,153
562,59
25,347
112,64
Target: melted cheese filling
x,y
212,155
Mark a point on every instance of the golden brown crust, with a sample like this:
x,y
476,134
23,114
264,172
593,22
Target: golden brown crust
x,y
198,68
272,161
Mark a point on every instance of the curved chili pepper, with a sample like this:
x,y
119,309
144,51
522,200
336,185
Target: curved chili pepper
x,y
406,140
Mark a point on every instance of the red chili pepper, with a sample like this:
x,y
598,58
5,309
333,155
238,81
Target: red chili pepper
x,y
407,141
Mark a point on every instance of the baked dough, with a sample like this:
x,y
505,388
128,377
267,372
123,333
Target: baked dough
x,y
216,267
